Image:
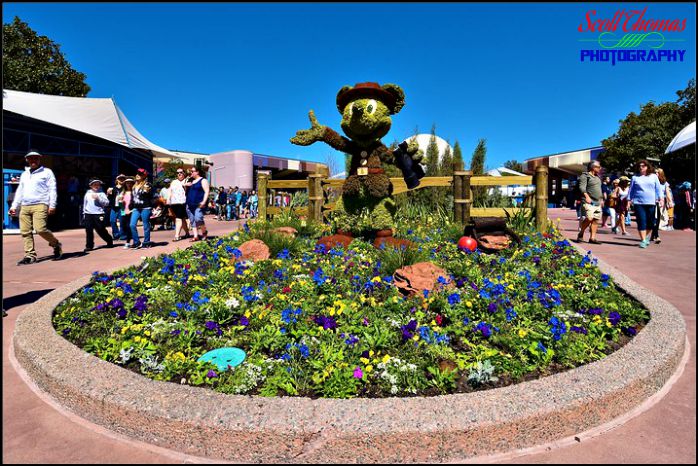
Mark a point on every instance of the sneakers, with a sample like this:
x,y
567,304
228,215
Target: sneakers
x,y
658,240
27,260
644,243
136,246
57,252
127,246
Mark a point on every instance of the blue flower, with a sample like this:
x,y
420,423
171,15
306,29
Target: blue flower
x,y
319,276
289,315
283,254
174,314
542,348
557,328
453,299
614,318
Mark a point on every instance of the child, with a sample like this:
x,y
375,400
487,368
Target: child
x,y
93,208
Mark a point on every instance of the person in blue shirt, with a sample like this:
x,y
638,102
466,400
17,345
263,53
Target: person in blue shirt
x,y
93,209
645,193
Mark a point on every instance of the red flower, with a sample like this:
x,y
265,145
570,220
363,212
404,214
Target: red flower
x,y
439,320
286,289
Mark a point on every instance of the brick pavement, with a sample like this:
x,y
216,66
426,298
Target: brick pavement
x,y
34,432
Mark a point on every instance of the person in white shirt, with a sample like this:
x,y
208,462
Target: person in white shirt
x,y
36,195
93,208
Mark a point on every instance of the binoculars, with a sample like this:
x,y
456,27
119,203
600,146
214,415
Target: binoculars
x,y
411,170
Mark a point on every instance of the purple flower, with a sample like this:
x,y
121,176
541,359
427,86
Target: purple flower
x,y
578,330
630,331
492,307
244,321
327,323
211,374
211,325
614,318
121,313
358,373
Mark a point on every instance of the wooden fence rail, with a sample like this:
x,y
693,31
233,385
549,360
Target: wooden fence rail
x,y
461,183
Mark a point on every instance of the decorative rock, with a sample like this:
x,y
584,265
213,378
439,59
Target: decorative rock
x,y
224,357
254,250
422,276
495,242
288,231
332,241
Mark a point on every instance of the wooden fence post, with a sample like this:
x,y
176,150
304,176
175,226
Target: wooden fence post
x,y
458,198
315,197
541,182
262,204
467,196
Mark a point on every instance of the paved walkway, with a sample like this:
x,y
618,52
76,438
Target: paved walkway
x,y
34,432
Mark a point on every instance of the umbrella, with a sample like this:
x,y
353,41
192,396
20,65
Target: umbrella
x,y
685,137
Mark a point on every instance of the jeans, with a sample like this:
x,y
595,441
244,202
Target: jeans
x,y
644,213
114,215
144,216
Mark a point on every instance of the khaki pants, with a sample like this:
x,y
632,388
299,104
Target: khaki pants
x,y
34,217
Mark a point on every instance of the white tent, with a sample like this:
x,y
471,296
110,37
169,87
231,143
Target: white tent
x,y
98,117
685,137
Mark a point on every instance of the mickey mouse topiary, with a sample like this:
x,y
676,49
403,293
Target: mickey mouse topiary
x,y
365,206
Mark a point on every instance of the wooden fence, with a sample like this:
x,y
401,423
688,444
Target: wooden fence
x,y
461,182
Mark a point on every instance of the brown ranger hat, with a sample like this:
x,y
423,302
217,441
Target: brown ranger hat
x,y
366,91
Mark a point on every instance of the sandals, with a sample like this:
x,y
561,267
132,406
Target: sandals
x,y
195,239
176,238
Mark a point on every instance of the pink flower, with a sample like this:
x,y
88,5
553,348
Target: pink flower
x,y
358,373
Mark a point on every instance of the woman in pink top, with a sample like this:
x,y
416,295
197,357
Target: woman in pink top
x,y
124,198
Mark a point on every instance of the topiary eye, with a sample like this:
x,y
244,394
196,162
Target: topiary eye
x,y
371,107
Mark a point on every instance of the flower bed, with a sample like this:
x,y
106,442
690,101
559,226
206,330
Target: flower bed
x,y
332,323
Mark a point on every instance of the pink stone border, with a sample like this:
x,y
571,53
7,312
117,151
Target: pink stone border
x,y
203,423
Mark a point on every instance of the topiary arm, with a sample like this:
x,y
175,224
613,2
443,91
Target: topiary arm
x,y
414,151
306,137
318,132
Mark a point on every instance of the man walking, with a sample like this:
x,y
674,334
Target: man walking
x,y
591,197
36,194
93,209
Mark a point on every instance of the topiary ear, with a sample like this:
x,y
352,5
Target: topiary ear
x,y
399,95
342,91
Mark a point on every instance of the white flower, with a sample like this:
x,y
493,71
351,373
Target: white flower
x,y
125,355
232,303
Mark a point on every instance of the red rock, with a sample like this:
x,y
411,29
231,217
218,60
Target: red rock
x,y
288,231
418,277
495,242
332,241
254,250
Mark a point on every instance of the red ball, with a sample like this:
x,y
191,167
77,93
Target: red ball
x,y
467,243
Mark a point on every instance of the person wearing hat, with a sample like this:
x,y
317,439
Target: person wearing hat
x,y
115,209
123,199
36,195
93,210
141,207
165,199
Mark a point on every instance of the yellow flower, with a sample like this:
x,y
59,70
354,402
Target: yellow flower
x,y
386,358
137,339
395,300
415,338
247,314
331,311
364,360
469,304
125,329
371,353
369,368
119,292
523,333
277,262
146,333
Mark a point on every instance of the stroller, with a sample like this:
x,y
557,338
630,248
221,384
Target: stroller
x,y
161,215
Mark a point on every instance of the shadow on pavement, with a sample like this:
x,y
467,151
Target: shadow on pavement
x,y
25,298
66,255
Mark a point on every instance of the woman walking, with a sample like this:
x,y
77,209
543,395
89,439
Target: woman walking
x,y
221,201
123,199
197,196
177,201
662,216
645,194
623,204
141,205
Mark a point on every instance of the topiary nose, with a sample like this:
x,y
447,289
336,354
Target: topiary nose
x,y
358,110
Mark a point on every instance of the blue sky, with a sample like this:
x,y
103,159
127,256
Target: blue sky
x,y
215,77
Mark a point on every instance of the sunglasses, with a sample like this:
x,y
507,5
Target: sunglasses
x,y
180,173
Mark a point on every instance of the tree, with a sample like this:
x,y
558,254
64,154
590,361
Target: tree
x,y
34,63
432,155
477,167
647,135
514,165
446,166
458,156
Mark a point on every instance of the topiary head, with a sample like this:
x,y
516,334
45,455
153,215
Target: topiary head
x,y
366,109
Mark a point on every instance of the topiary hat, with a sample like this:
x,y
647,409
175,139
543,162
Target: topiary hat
x,y
391,95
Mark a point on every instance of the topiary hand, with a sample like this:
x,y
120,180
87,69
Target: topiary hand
x,y
306,137
414,152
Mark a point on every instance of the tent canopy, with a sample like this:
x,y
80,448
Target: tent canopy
x,y
685,137
97,117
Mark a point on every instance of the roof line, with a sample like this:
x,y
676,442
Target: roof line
x,y
116,109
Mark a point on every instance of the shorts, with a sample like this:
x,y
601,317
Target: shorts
x,y
179,211
592,212
195,214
